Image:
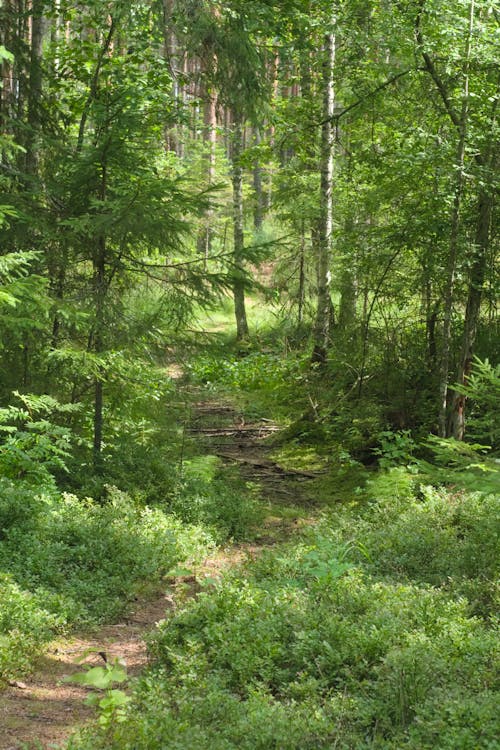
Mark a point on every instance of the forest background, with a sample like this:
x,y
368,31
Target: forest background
x,y
294,205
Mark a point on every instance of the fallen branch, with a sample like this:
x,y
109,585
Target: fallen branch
x,y
259,463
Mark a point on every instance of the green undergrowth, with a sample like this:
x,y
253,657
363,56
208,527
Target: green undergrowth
x,y
68,562
217,498
263,384
375,629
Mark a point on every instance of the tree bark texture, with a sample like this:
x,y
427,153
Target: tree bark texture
x,y
259,203
35,85
456,426
321,333
100,289
210,116
238,236
454,235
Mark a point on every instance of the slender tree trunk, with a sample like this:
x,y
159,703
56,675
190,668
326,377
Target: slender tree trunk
x,y
302,275
454,235
482,239
348,285
98,346
259,203
348,296
99,263
35,85
20,46
6,67
206,231
57,285
321,332
238,283
170,53
486,159
274,78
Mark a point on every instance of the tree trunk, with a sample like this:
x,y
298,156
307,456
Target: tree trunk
x,y
274,79
259,203
348,297
35,85
6,67
98,346
454,235
170,53
456,427
206,232
302,275
237,180
321,332
348,283
99,263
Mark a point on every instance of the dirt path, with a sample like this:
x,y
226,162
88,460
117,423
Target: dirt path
x,y
226,433
45,711
42,712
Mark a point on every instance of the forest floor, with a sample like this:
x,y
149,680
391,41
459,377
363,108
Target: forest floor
x,y
43,711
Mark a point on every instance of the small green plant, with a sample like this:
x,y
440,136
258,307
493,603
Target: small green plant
x,y
395,449
217,498
324,563
110,701
33,445
483,389
455,462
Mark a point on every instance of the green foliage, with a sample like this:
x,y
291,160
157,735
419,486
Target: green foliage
x,y
374,631
442,537
395,448
110,702
252,372
81,561
218,500
26,625
483,388
23,298
304,646
264,381
34,446
468,465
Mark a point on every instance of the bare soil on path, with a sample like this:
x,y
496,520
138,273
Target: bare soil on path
x,y
41,712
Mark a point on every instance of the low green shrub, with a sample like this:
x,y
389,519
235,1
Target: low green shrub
x,y
78,562
267,382
33,444
483,390
443,537
252,372
25,627
218,500
305,650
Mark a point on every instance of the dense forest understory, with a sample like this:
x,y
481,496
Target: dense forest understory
x,y
249,379
354,605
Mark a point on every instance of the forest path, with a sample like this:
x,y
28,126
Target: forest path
x,y
225,432
41,712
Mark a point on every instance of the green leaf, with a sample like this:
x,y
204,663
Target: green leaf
x,y
96,677
5,54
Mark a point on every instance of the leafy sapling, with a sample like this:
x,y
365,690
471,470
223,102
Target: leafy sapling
x,y
109,701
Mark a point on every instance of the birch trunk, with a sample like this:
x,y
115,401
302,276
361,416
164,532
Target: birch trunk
x,y
321,332
259,207
210,116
